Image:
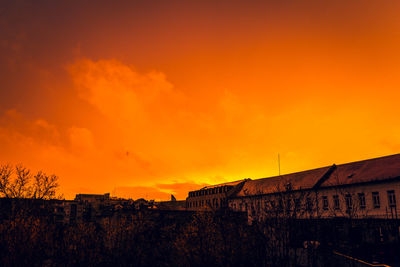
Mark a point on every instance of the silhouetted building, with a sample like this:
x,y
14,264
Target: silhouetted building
x,y
92,197
212,197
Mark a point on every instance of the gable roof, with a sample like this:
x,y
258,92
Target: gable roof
x,y
377,169
371,170
296,181
223,184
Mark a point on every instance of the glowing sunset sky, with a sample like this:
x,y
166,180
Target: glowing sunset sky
x,y
148,98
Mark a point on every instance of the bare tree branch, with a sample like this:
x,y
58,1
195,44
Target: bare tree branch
x,y
5,174
22,184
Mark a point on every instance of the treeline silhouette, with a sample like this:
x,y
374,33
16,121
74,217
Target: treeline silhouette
x,y
30,235
146,238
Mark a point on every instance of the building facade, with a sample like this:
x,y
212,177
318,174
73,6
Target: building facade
x,y
364,189
212,197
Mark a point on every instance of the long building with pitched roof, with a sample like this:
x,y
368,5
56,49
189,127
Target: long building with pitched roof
x,y
362,189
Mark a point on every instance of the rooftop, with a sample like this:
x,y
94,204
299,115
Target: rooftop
x,y
296,181
376,169
224,184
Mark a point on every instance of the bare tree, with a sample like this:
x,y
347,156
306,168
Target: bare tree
x,y
44,186
19,182
5,175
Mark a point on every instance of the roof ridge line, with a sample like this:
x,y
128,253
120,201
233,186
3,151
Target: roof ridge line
x,y
359,161
325,177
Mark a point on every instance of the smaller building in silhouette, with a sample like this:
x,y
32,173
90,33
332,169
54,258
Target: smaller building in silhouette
x,y
213,197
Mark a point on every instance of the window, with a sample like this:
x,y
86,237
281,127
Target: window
x,y
375,200
361,200
391,198
325,204
297,204
280,203
308,204
349,202
272,203
336,202
288,204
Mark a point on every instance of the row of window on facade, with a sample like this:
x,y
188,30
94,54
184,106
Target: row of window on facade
x,y
210,191
216,202
376,203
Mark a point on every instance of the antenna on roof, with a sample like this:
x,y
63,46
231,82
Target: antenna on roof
x,y
279,164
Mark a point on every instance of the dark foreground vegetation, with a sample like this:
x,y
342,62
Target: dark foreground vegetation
x,y
145,238
165,238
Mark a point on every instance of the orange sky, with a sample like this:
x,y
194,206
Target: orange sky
x,y
149,98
